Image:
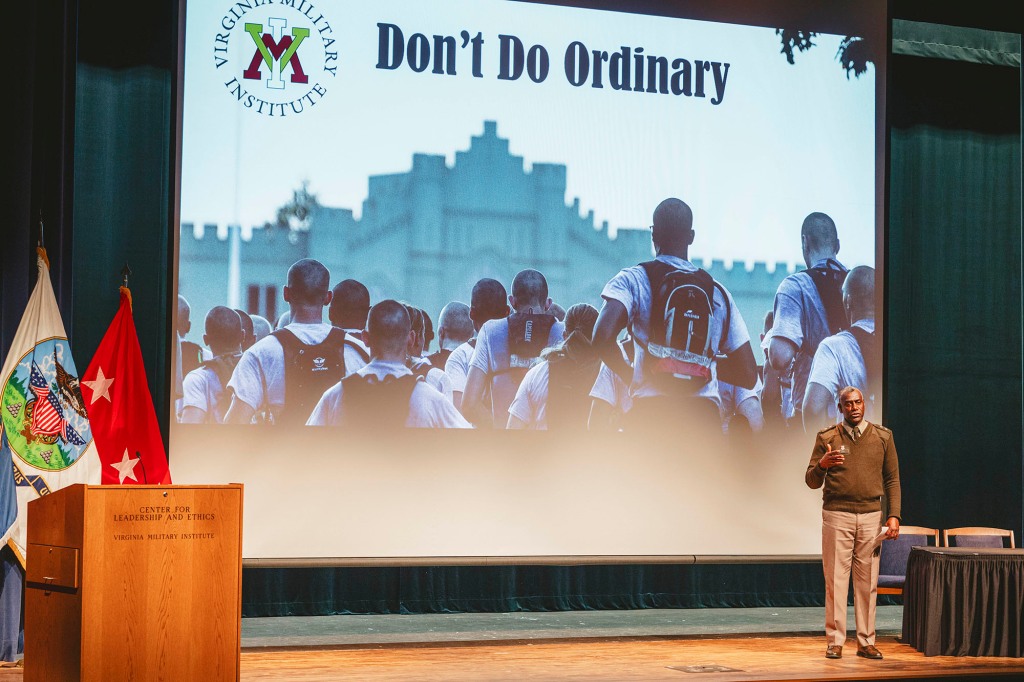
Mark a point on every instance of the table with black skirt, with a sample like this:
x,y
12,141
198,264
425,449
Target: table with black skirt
x,y
964,601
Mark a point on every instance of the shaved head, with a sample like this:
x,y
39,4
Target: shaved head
x,y
672,228
388,328
489,301
248,330
859,293
350,302
454,326
223,330
308,282
819,236
529,288
428,328
184,315
260,326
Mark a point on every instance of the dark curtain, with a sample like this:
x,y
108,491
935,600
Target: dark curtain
x,y
954,291
322,591
124,127
38,143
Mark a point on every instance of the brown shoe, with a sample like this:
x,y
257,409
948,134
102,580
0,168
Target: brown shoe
x,y
833,651
869,652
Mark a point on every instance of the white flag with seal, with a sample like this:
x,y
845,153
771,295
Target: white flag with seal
x,y
44,425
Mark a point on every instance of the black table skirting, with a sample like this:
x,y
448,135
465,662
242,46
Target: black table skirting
x,y
964,601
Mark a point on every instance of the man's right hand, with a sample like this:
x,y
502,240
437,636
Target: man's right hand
x,y
831,458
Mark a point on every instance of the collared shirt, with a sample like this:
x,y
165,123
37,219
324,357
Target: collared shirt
x,y
859,428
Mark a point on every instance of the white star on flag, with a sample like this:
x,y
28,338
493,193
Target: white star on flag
x,y
126,467
100,387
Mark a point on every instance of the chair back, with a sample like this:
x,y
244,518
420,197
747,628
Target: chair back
x,y
976,536
893,560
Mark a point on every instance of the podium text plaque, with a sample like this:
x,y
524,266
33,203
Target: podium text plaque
x,y
134,583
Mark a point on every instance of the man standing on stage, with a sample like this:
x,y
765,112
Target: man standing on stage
x,y
852,517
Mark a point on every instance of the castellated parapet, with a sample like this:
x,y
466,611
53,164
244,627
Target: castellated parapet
x,y
428,234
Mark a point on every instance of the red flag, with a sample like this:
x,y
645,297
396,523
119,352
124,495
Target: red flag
x,y
121,408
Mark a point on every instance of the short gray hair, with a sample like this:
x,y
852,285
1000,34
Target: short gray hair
x,y
843,392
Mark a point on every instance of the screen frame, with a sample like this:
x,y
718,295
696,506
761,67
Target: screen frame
x,y
871,20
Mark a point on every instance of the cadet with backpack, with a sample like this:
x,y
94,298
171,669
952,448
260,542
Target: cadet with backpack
x,y
687,330
488,302
808,307
420,366
555,393
850,358
205,398
386,394
507,348
280,379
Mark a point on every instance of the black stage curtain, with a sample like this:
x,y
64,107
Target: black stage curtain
x,y
954,291
324,591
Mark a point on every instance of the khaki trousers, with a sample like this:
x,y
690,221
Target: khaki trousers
x,y
845,545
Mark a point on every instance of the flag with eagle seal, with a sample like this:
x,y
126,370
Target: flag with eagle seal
x,y
44,425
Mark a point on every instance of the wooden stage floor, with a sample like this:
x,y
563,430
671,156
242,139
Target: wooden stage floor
x,y
644,644
769,658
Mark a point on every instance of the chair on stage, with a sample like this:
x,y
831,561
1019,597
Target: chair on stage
x,y
892,568
976,536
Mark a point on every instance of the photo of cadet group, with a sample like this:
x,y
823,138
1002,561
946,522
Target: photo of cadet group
x,y
668,349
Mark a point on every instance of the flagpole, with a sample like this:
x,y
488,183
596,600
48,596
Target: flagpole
x,y
126,272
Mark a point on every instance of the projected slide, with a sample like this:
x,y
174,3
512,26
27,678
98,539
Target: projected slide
x,y
520,268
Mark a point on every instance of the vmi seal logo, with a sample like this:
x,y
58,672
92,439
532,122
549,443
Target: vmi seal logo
x,y
44,420
277,56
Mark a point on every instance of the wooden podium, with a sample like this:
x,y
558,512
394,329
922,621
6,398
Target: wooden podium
x,y
134,583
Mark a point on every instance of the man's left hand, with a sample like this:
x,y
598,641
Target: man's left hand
x,y
893,524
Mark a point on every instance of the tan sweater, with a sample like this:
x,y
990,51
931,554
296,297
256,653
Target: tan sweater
x,y
871,470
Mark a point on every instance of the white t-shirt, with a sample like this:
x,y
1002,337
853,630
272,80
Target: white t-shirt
x,y
733,396
531,402
492,354
435,377
632,289
258,380
457,366
354,337
800,317
838,364
610,387
427,407
203,390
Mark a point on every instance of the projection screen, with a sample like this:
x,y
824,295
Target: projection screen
x,y
418,147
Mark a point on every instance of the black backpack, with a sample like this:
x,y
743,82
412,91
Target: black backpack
x,y
828,280
309,370
682,321
223,366
369,402
867,343
439,358
527,336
